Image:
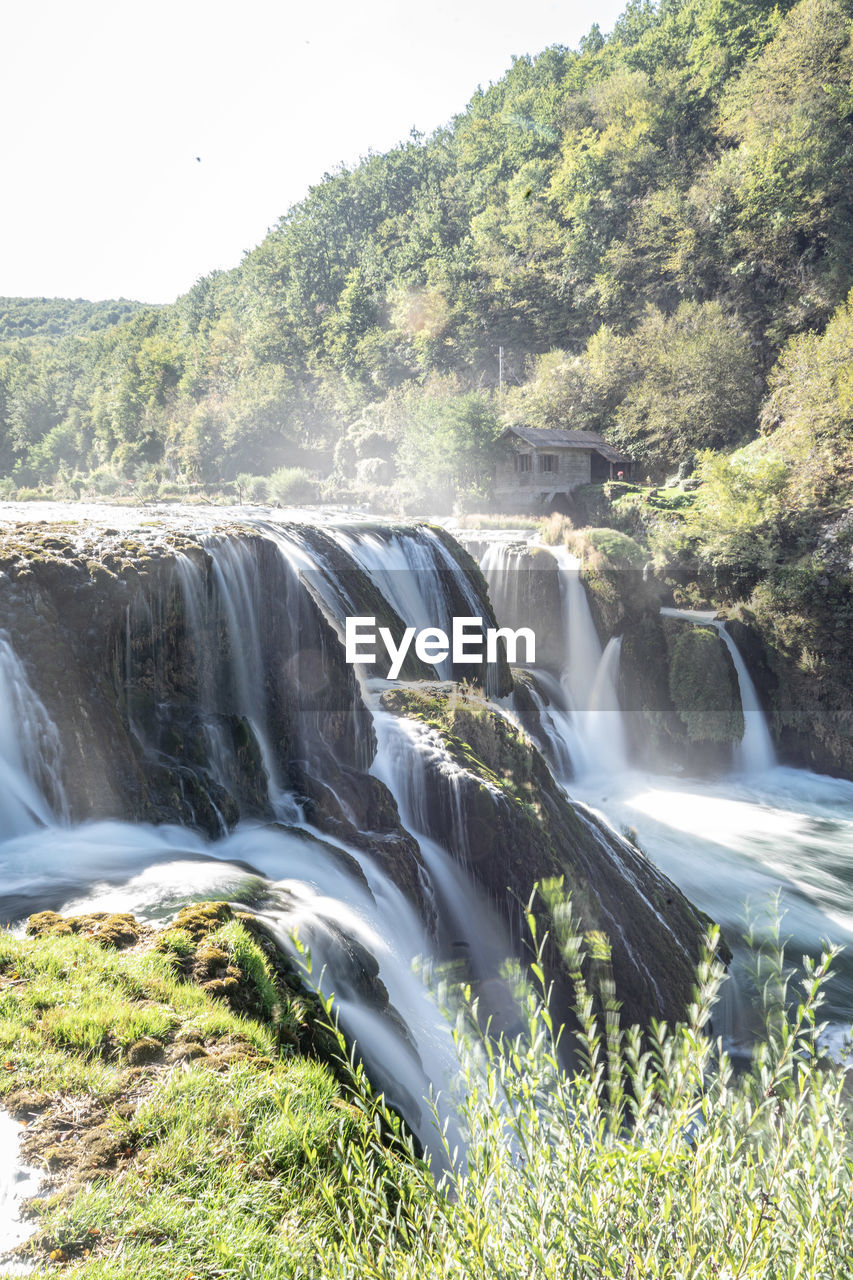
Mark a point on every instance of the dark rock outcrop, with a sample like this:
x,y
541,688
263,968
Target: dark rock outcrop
x,y
494,805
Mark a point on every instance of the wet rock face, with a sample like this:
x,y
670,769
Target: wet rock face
x,y
525,590
493,804
809,705
179,682
680,695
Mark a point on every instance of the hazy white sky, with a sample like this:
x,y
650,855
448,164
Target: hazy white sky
x,y
106,105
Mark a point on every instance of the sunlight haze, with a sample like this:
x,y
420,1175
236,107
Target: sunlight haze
x,y
146,146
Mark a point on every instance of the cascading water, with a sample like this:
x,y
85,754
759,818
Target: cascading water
x,y
472,929
554,730
754,753
231,671
306,886
413,574
29,752
232,649
588,674
593,733
727,842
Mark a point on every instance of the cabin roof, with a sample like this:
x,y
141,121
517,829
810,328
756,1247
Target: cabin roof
x,y
541,437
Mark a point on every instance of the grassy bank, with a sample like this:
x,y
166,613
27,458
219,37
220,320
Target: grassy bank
x,y
181,1130
184,1138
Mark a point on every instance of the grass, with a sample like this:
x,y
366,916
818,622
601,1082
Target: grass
x,y
650,1159
223,1179
70,1010
483,521
647,1158
183,1138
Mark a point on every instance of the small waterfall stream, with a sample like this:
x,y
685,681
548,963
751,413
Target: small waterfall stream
x,y
29,752
755,752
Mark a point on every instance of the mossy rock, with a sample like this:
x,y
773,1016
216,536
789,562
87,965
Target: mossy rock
x,y
144,1050
704,687
108,929
201,918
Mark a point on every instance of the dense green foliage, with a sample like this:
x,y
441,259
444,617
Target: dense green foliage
x,y
54,317
653,1160
643,225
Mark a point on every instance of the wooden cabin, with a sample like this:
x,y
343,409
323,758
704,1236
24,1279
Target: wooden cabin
x,y
541,465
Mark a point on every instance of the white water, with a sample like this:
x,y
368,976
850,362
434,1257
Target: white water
x,y
589,675
559,739
590,728
17,1183
29,751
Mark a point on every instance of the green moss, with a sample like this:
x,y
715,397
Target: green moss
x,y
476,736
605,549
704,688
109,929
251,962
201,918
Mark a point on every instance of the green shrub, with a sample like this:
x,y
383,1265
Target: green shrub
x,y
651,1158
605,549
291,485
251,488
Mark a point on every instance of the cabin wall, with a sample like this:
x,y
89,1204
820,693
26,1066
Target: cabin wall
x,y
524,490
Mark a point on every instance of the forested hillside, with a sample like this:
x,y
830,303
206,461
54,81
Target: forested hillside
x,y
54,317
656,228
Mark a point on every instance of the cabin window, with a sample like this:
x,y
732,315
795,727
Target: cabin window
x,y
523,462
547,462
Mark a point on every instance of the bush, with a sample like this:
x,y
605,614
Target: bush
x,y
251,488
105,482
171,491
291,485
373,471
650,1158
605,549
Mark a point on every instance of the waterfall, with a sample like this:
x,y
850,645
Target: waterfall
x,y
231,650
242,631
29,752
755,752
590,729
504,564
583,648
472,930
604,728
755,833
421,580
554,731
